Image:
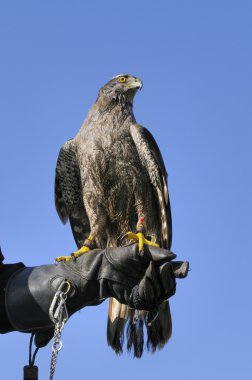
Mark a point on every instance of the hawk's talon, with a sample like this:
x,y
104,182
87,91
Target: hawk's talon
x,y
141,239
62,258
73,255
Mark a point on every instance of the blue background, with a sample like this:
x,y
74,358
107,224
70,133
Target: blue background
x,y
195,60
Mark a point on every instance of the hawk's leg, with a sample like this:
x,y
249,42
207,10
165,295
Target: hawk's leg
x,y
139,236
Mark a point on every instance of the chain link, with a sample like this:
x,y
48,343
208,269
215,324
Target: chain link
x,y
59,316
56,347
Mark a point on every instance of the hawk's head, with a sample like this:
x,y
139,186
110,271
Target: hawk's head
x,y
122,87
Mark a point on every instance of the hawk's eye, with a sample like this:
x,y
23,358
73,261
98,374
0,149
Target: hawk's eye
x,y
122,79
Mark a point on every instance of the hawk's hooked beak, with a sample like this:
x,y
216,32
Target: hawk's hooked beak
x,y
135,83
138,83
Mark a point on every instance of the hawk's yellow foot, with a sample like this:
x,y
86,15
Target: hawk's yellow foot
x,y
139,236
81,251
75,254
84,249
63,258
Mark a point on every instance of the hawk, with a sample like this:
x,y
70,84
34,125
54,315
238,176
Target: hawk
x,y
111,179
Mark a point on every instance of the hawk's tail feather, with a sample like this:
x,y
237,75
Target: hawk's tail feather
x,y
135,334
159,327
116,343
117,317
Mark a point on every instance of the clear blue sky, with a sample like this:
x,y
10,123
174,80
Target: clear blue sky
x,y
195,60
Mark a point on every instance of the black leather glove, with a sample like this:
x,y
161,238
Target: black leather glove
x,y
142,281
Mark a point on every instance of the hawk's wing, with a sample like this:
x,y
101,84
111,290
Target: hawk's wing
x,y
68,193
152,160
160,329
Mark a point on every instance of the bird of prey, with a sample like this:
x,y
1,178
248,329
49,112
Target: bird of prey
x,y
111,182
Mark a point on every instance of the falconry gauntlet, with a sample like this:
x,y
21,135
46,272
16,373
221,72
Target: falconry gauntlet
x,y
141,281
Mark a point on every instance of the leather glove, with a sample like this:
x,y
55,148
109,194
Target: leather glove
x,y
142,281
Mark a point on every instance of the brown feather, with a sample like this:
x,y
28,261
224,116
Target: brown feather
x,y
117,317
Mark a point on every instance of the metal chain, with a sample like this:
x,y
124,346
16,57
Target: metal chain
x,y
56,347
59,316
